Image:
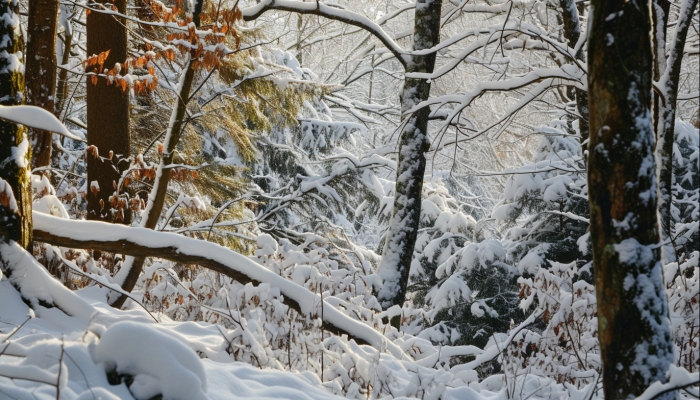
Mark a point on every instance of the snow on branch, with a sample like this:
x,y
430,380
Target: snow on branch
x,y
545,77
679,378
495,34
496,349
326,11
141,242
37,118
37,286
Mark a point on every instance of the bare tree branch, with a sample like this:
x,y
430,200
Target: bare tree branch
x,y
329,12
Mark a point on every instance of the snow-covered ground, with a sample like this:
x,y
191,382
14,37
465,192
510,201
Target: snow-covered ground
x,y
187,360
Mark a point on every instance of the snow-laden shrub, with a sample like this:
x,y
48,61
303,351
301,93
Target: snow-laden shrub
x,y
546,205
682,275
153,361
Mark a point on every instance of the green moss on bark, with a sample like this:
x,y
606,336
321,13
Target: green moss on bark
x,y
15,224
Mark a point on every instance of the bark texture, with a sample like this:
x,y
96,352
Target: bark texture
x,y
15,214
413,143
107,114
41,67
665,121
633,325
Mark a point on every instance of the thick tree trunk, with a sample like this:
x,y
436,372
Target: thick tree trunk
x,y
413,143
572,33
665,121
132,266
633,325
15,213
107,114
41,67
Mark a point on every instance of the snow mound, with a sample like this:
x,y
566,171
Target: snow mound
x,y
240,380
159,363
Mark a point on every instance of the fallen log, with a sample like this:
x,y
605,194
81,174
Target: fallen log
x,y
95,235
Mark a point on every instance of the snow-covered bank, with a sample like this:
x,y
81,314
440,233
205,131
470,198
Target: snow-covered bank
x,y
161,358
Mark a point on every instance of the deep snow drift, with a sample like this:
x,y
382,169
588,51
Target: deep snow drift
x,y
160,358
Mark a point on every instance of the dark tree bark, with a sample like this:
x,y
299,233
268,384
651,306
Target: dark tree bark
x,y
41,67
669,71
633,325
572,33
107,114
413,143
15,213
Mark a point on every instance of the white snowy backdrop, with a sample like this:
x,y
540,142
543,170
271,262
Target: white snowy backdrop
x,y
295,196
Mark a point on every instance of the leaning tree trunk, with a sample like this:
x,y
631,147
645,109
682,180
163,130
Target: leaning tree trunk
x,y
659,23
633,326
41,66
572,33
62,85
413,143
665,121
131,269
15,190
107,114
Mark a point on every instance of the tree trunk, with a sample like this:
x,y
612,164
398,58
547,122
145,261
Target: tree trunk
x,y
659,23
413,143
132,266
107,114
572,33
666,118
15,213
633,325
41,67
62,89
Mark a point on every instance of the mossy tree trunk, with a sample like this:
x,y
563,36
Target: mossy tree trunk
x,y
633,325
15,214
41,67
413,143
107,114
